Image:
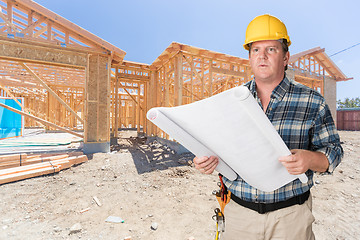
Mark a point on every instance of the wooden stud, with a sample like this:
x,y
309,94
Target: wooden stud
x,y
51,91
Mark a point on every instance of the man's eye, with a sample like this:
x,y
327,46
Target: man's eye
x,y
271,49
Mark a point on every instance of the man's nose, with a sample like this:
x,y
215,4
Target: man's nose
x,y
262,54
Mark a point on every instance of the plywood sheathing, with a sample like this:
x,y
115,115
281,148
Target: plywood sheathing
x,y
97,124
30,51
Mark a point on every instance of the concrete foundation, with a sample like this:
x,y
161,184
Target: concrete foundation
x,y
90,148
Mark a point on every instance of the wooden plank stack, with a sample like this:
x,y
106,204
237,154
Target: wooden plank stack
x,y
16,167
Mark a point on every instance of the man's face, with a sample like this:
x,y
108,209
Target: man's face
x,y
268,60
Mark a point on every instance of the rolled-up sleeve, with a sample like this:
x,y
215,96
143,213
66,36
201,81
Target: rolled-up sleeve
x,y
326,139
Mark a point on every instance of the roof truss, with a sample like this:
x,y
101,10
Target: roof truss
x,y
316,63
29,20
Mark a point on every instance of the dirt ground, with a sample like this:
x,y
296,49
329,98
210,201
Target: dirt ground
x,y
158,195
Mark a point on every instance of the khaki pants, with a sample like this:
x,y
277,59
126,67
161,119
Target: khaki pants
x,y
291,223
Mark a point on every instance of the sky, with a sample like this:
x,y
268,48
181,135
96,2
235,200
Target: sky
x,y
145,28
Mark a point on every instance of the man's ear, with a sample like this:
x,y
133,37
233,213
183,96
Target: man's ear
x,y
286,58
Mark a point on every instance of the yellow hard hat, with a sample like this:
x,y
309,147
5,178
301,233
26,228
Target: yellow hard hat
x,y
265,27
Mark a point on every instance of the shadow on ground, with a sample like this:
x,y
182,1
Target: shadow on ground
x,y
151,156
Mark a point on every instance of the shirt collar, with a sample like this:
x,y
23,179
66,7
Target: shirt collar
x,y
279,92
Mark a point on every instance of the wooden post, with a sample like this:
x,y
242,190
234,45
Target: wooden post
x,y
138,108
49,27
202,78
30,24
153,96
146,86
167,89
116,92
192,79
97,104
48,108
10,16
210,77
178,81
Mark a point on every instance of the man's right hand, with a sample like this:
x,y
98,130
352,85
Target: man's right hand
x,y
206,165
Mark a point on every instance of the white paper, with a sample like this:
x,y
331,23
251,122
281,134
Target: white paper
x,y
232,126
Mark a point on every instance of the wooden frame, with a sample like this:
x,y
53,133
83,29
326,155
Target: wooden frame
x,y
61,70
75,80
183,74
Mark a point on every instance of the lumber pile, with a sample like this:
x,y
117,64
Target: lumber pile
x,y
16,167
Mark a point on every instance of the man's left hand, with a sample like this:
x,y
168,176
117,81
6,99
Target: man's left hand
x,y
302,160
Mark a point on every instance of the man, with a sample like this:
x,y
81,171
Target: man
x,y
303,120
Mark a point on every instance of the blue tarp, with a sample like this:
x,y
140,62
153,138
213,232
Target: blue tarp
x,y
10,122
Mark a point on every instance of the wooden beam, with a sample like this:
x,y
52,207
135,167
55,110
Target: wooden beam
x,y
210,78
41,31
191,94
192,80
8,18
134,77
33,25
11,95
145,106
132,97
194,70
138,110
228,72
41,120
22,50
202,78
52,92
167,89
178,79
117,105
80,32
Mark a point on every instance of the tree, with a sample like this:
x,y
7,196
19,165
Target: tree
x,y
349,103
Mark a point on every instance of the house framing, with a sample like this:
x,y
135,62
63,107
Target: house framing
x,y
74,81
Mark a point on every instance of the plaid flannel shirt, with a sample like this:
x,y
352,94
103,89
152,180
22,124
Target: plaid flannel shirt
x,y
303,120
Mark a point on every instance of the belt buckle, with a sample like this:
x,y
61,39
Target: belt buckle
x,y
261,208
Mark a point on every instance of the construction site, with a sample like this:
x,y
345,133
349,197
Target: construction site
x,y
77,152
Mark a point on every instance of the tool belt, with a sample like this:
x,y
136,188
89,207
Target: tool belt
x,y
223,197
268,207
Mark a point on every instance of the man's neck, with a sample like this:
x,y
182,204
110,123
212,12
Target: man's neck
x,y
264,90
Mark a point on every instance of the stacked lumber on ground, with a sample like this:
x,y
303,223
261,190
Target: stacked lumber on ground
x,y
11,160
22,166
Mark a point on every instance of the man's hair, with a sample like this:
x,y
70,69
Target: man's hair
x,y
284,45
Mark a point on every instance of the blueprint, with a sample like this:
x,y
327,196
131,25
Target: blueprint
x,y
232,126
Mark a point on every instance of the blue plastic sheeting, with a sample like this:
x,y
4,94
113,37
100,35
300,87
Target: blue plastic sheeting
x,y
10,122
